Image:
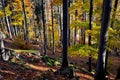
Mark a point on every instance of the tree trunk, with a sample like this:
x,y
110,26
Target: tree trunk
x,y
2,24
38,18
100,71
25,23
8,25
83,35
53,40
75,29
69,25
89,39
61,27
65,34
75,33
114,13
16,30
44,29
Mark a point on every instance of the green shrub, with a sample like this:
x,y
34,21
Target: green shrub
x,y
50,62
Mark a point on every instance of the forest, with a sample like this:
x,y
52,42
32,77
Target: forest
x,y
59,39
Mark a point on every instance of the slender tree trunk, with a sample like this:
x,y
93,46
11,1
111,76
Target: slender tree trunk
x,y
90,27
16,30
8,25
69,25
53,40
65,34
47,19
114,13
80,36
75,33
44,28
12,27
100,71
61,27
13,30
75,29
83,35
25,23
50,38
2,25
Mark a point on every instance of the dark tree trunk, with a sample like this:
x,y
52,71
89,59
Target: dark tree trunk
x,y
25,23
75,33
38,18
90,27
100,71
65,34
83,35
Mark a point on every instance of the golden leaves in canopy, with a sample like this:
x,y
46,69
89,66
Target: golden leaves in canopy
x,y
18,11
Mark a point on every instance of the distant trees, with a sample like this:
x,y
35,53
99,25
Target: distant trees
x,y
106,10
19,18
12,14
6,18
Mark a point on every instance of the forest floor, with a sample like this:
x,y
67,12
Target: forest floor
x,y
32,67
